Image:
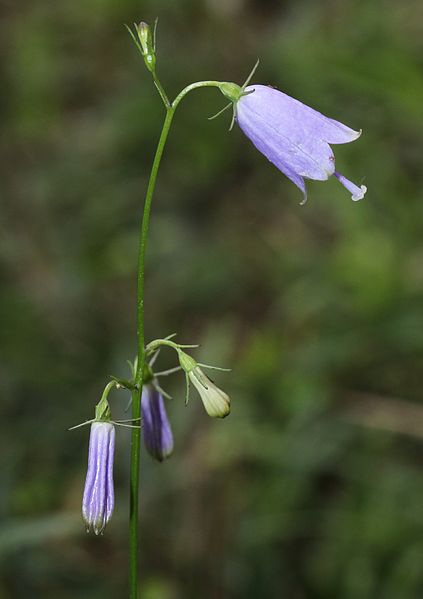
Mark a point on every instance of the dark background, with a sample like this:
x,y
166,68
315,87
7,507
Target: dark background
x,y
312,488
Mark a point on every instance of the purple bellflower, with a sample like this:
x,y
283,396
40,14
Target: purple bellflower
x,y
293,136
99,498
158,438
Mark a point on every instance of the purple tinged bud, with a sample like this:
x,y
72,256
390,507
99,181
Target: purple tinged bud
x,y
98,500
293,136
158,438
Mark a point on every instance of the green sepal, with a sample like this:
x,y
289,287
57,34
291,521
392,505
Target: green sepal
x,y
232,91
187,362
186,388
102,410
148,375
125,383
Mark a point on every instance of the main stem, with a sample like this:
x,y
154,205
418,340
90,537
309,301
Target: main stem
x,y
136,394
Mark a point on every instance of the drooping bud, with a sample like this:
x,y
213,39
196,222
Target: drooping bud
x,y
216,402
147,45
98,500
158,438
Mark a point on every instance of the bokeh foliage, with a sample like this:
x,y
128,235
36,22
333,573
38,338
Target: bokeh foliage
x,y
312,488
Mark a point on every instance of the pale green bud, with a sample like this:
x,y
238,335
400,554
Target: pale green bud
x,y
147,45
216,402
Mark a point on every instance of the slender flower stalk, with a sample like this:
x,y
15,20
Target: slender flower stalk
x,y
137,392
99,499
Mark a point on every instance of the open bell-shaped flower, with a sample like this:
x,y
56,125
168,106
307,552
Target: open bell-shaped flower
x,y
158,438
293,136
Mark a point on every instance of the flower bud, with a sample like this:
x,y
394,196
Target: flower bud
x,y
147,45
158,438
216,402
98,500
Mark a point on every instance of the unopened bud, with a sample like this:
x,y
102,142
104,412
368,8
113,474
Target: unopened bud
x,y
157,433
216,402
98,501
147,45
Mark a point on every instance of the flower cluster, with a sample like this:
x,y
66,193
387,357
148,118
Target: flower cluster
x,y
98,498
297,140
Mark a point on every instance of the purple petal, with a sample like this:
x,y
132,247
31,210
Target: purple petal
x,y
110,488
297,179
98,499
358,193
288,115
287,138
158,437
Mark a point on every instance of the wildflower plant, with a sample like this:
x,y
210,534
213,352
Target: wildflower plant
x,y
297,140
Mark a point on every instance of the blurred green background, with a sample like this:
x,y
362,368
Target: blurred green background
x,y
312,488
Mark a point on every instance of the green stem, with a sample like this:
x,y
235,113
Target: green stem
x,y
161,90
193,86
136,394
143,243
